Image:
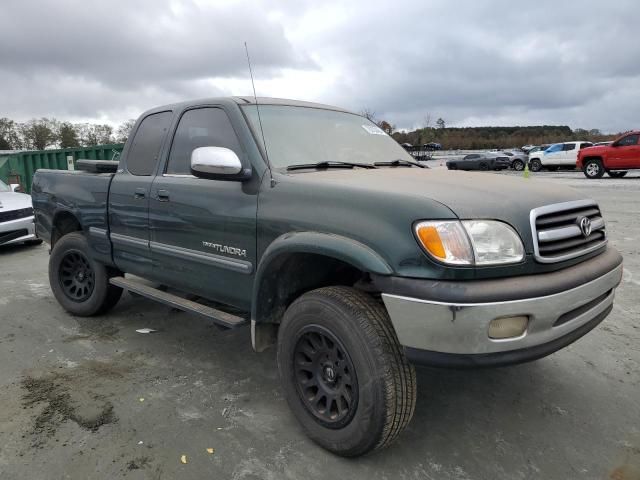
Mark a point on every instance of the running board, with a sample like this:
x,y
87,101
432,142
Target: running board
x,y
217,316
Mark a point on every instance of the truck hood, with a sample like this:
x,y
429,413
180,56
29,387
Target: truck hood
x,y
14,201
596,150
467,194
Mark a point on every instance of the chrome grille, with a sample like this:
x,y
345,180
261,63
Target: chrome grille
x,y
557,234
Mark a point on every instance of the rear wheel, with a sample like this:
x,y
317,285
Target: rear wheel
x,y
593,168
343,371
79,283
452,166
535,165
517,165
617,174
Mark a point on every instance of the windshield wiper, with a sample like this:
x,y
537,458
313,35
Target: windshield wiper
x,y
398,162
322,165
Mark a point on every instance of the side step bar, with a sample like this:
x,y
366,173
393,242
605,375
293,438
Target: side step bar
x,y
217,316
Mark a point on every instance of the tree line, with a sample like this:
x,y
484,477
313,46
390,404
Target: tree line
x,y
477,138
472,138
44,133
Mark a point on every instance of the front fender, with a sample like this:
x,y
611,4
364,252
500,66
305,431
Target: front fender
x,y
330,245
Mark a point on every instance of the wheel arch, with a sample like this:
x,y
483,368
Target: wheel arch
x,y
298,262
63,222
592,157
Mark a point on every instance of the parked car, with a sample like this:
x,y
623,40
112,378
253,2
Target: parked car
x,y
481,161
432,146
556,156
527,148
353,260
598,144
16,216
615,159
517,160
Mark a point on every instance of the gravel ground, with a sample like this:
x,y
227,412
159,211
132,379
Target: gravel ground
x,y
91,398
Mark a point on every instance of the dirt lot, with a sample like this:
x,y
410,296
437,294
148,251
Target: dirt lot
x,y
91,398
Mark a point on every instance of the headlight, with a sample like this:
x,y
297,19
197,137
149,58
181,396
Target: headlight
x,y
470,242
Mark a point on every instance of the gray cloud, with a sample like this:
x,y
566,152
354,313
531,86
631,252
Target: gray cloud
x,y
470,62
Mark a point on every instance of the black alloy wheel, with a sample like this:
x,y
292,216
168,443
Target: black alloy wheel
x,y
78,281
76,276
325,377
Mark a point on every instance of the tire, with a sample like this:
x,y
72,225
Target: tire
x,y
535,165
378,399
484,167
517,165
79,283
593,169
617,174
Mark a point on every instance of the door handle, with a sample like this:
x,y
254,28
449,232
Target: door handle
x,y
163,195
139,192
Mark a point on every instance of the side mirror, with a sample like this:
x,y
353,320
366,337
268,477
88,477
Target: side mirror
x,y
218,163
16,187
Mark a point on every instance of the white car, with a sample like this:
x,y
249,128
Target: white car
x,y
16,217
557,155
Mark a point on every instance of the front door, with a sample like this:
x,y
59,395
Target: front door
x,y
625,153
129,195
203,231
569,155
553,155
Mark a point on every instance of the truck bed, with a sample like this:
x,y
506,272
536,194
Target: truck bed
x,y
80,196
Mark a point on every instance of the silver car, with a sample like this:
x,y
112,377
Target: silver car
x,y
16,217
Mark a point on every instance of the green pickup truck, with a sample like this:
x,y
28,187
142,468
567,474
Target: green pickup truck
x,y
357,262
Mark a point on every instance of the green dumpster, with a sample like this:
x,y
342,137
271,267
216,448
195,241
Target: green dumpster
x,y
20,166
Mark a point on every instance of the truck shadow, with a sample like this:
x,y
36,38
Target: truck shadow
x,y
511,419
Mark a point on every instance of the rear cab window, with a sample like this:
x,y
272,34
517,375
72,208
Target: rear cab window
x,y
142,158
569,146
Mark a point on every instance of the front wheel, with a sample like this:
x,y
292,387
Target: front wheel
x,y
343,371
593,169
535,165
617,174
79,283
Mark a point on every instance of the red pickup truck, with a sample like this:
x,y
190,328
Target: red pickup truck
x,y
615,159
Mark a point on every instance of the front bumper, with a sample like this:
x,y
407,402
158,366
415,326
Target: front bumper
x,y
446,330
17,231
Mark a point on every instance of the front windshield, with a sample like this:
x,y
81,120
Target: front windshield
x,y
4,187
301,135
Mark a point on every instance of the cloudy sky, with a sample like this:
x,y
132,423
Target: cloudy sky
x,y
489,62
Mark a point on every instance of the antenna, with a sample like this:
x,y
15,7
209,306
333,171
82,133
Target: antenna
x,y
264,142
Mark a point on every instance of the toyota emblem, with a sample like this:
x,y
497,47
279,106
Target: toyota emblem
x,y
585,226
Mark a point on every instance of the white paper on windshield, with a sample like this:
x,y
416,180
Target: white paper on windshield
x,y
373,130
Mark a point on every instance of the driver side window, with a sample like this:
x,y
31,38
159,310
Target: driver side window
x,y
201,127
